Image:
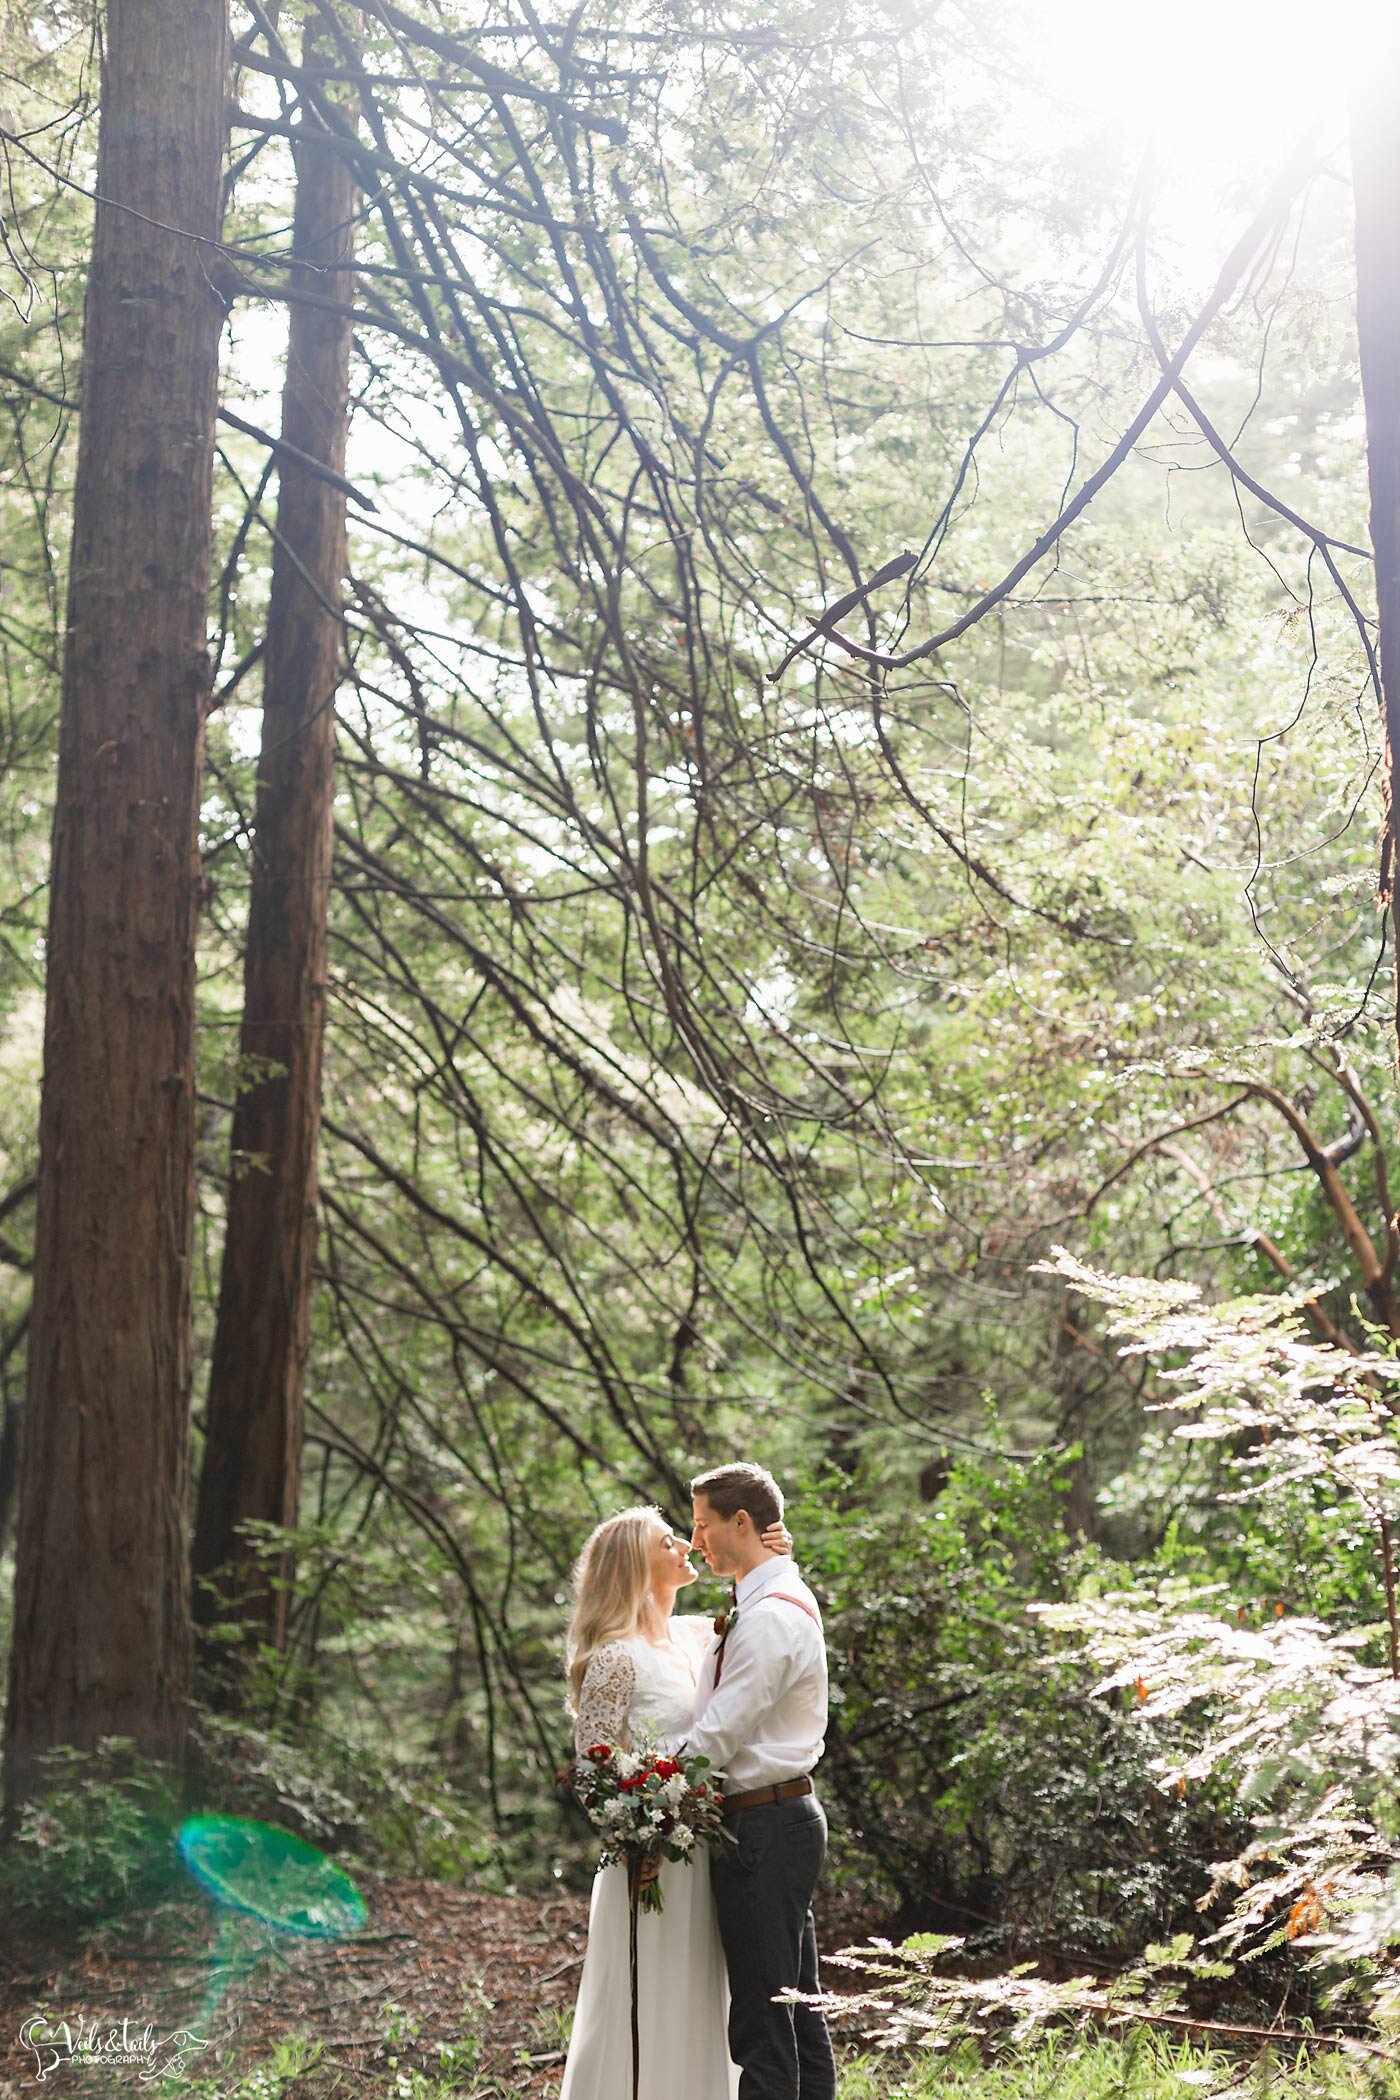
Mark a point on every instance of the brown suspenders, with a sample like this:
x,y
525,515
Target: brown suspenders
x,y
786,1597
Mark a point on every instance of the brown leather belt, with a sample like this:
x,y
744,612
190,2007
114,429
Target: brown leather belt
x,y
788,1790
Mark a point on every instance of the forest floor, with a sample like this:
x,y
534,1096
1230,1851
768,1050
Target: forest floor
x,y
473,1990
416,1980
447,1994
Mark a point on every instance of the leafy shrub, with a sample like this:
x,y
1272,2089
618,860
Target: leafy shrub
x,y
97,1836
290,1742
352,1798
971,1769
1301,1715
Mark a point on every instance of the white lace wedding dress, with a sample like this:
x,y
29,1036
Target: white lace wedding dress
x,y
682,1989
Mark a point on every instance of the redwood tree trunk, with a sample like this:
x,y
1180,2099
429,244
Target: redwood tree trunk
x,y
253,1427
102,1620
1375,136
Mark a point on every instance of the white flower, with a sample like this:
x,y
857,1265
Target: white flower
x,y
675,1790
682,1838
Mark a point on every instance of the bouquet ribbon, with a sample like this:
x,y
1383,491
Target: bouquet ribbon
x,y
634,1894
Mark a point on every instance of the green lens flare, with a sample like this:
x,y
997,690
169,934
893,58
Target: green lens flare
x,y
272,1875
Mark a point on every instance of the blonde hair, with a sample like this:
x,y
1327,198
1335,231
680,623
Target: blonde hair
x,y
612,1589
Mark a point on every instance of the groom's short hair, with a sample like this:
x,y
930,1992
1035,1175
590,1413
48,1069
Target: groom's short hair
x,y
728,1489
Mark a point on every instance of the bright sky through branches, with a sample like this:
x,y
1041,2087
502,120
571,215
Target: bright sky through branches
x,y
1220,93
1221,83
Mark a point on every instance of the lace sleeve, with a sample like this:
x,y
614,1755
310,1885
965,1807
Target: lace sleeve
x,y
604,1698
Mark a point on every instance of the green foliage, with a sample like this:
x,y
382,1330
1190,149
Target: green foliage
x,y
1301,1715
909,2001
362,1798
1138,2063
1307,1550
458,2066
343,1736
1141,2064
292,2063
97,1838
970,1764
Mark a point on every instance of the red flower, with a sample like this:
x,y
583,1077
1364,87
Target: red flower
x,y
601,1750
665,1768
699,1790
628,1786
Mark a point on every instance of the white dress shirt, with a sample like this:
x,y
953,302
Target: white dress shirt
x,y
766,1719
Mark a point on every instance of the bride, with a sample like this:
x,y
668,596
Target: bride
x,y
632,1664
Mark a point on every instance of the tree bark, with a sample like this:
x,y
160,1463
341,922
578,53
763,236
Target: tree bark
x,y
11,1450
253,1426
102,1637
1375,144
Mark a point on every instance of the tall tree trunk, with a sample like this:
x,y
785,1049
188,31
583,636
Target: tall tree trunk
x,y
253,1424
102,1634
1375,143
11,1447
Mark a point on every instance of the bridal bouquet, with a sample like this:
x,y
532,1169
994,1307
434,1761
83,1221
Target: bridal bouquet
x,y
647,1807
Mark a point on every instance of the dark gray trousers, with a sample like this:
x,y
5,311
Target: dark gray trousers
x,y
763,1893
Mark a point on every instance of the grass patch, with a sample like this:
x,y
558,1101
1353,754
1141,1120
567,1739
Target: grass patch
x,y
1139,2065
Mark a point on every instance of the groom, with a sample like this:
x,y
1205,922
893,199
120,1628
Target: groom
x,y
760,1718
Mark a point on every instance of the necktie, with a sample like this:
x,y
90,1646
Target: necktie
x,y
726,1627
